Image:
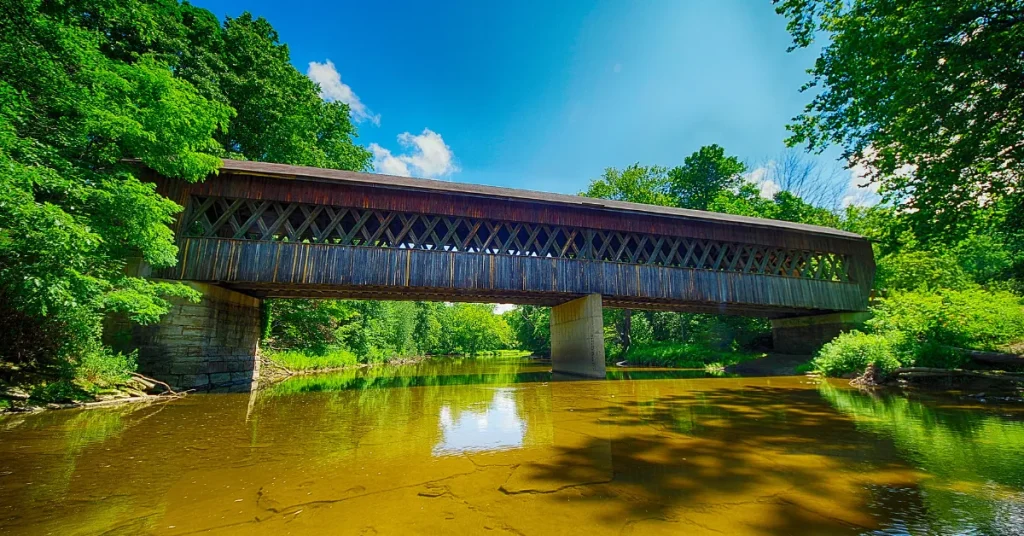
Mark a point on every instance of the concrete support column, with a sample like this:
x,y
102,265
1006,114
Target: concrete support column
x,y
577,337
213,343
804,335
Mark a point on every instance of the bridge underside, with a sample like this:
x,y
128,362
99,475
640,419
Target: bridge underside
x,y
363,292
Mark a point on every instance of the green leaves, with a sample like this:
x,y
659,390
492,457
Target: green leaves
x,y
164,122
280,115
636,183
703,176
927,95
87,84
144,301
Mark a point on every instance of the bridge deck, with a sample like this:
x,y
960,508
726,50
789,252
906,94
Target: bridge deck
x,y
274,230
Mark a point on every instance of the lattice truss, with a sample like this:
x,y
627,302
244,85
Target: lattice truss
x,y
246,219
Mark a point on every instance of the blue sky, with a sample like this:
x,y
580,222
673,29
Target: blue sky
x,y
545,95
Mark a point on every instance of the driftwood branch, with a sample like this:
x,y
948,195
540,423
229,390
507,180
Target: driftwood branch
x,y
152,381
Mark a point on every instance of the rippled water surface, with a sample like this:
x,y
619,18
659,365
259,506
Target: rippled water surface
x,y
499,446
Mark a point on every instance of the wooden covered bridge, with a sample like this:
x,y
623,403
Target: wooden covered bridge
x,y
258,230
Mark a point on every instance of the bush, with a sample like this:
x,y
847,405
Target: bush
x,y
927,329
104,368
678,355
974,318
298,360
59,391
852,353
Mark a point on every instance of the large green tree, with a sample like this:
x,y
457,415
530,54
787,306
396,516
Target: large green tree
x,y
636,184
925,95
88,84
703,176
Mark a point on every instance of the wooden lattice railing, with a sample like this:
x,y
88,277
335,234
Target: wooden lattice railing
x,y
246,219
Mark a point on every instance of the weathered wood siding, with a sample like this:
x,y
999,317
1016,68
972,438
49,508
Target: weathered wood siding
x,y
301,247
272,268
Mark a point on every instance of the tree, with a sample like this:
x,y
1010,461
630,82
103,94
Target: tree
x,y
474,328
531,326
796,172
703,175
71,214
925,95
87,84
280,115
636,183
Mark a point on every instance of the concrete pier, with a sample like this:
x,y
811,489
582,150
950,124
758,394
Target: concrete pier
x,y
805,335
577,337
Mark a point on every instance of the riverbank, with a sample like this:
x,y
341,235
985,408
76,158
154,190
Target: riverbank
x,y
684,356
136,389
277,366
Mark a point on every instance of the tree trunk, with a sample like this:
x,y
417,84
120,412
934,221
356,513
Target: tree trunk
x,y
626,331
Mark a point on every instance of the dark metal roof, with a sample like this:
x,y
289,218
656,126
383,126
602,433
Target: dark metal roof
x,y
284,171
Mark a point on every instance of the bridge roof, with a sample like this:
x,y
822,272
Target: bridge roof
x,y
305,173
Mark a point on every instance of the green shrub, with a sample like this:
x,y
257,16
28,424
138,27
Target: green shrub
x,y
104,368
678,355
919,270
299,360
933,355
972,318
852,353
58,391
804,368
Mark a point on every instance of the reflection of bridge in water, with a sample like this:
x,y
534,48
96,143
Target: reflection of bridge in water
x,y
267,230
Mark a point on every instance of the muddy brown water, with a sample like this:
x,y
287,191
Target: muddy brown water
x,y
499,446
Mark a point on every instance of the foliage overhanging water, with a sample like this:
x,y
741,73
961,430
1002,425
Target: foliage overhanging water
x,y
459,446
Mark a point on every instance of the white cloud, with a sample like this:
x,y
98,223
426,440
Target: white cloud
x,y
333,89
502,308
387,163
425,155
767,188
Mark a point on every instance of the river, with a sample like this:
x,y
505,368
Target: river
x,y
500,447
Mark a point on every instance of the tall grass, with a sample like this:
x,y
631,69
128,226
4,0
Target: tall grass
x,y
684,355
299,360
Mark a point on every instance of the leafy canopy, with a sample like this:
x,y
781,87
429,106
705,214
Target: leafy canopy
x,y
927,95
87,84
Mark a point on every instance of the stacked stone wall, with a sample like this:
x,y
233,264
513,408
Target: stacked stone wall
x,y
213,343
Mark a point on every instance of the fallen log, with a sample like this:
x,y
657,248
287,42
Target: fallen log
x,y
929,372
994,358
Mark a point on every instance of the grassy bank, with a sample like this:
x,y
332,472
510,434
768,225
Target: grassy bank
x,y
680,355
504,353
307,360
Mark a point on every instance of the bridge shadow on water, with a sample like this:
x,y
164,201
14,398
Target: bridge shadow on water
x,y
695,456
779,460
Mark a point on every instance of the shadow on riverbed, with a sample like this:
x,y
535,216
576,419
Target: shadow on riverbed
x,y
918,469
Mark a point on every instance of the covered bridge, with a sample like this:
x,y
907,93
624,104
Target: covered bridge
x,y
258,230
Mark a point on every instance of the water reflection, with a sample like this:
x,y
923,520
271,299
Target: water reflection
x,y
494,427
462,446
973,462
